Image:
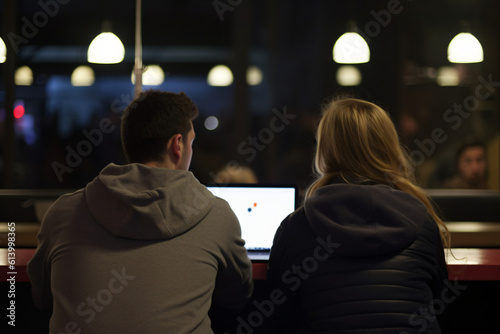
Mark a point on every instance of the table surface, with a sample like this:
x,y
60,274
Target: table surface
x,y
465,264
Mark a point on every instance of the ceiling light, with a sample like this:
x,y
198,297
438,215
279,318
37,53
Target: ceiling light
x,y
106,48
351,48
23,76
465,48
152,75
220,75
348,75
254,76
3,51
447,76
82,76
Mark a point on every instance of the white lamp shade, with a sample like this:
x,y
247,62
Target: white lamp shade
x,y
351,48
348,75
23,76
106,48
82,76
220,75
447,76
465,48
254,76
153,75
3,51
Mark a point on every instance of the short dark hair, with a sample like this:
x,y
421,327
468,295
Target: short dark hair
x,y
470,143
151,120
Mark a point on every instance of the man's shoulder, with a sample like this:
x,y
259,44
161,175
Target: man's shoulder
x,y
221,203
71,196
220,207
67,201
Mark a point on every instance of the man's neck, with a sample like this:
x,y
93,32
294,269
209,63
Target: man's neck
x,y
163,164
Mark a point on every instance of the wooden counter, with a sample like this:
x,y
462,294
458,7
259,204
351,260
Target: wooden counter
x,y
466,264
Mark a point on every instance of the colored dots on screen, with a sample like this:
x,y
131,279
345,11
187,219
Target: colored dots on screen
x,y
254,205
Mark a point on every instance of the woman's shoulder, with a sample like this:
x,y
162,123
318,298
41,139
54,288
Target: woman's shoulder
x,y
295,219
294,228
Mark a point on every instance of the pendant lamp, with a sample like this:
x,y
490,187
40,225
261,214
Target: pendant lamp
x,y
3,51
465,47
351,47
106,48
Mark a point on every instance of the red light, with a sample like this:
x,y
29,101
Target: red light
x,y
19,111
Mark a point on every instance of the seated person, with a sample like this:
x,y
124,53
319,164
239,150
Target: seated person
x,y
472,166
364,254
144,247
235,174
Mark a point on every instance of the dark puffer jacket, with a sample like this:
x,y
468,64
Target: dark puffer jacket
x,y
358,259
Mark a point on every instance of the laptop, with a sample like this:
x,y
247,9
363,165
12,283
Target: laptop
x,y
260,210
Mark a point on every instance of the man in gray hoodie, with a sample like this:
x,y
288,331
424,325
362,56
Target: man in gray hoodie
x,y
144,247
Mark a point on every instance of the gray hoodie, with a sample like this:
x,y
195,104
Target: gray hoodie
x,y
140,249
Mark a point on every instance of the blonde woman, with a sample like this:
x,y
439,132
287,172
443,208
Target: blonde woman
x,y
365,252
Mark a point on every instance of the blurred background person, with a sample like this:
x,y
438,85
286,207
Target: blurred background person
x,y
471,166
234,173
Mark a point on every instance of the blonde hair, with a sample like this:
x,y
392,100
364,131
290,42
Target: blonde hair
x,y
357,139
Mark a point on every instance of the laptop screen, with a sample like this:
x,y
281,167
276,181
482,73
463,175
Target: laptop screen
x,y
260,210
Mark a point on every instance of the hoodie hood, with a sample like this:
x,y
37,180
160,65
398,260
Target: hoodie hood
x,y
366,220
135,201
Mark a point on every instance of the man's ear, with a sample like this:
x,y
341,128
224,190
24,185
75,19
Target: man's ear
x,y
174,147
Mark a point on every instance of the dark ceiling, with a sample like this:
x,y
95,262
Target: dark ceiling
x,y
168,23
188,36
